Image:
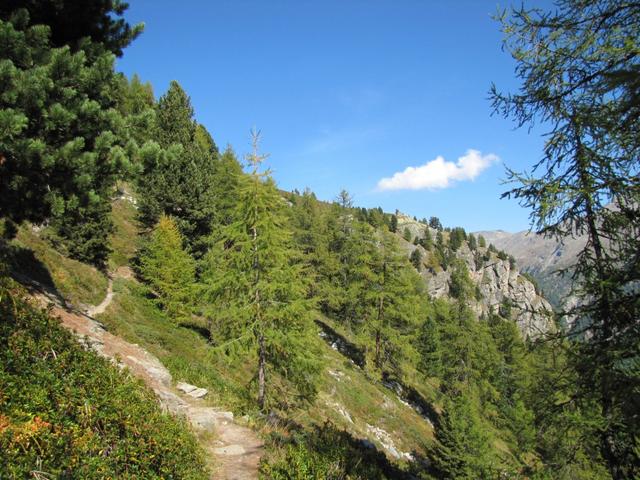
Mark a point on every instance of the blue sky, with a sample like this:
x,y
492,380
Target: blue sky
x,y
348,93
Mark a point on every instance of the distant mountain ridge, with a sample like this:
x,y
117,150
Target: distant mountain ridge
x,y
543,258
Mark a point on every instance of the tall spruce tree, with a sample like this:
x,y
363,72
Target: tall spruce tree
x,y
251,273
579,68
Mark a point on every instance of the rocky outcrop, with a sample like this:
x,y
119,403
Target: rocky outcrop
x,y
503,287
500,288
341,344
544,258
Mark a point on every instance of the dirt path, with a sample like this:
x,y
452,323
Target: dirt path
x,y
92,311
233,450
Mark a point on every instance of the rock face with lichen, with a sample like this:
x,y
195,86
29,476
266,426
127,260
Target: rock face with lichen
x,y
499,286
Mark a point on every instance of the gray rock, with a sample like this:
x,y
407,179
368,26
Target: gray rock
x,y
192,390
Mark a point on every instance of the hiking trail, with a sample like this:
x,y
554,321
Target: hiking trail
x,y
233,451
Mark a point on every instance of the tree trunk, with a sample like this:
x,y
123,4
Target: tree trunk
x,y
261,371
605,313
378,330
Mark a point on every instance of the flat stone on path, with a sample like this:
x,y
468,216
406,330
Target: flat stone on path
x,y
230,450
192,390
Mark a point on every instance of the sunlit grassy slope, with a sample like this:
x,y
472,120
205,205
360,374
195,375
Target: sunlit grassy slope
x,y
34,258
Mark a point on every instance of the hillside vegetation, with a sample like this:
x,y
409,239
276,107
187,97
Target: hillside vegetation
x,y
66,413
360,344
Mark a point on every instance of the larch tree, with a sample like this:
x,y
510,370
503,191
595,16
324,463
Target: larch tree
x,y
395,300
169,270
251,272
463,449
579,67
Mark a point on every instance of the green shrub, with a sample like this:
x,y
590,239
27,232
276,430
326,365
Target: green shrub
x,y
68,413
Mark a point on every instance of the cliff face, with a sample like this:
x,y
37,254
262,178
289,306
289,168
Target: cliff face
x,y
543,258
499,286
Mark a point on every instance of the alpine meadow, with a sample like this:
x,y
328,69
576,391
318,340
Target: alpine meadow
x,y
326,295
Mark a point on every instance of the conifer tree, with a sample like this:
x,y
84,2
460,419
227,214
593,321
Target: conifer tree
x,y
251,273
579,68
427,240
429,348
309,236
393,227
62,143
136,103
416,259
434,222
463,449
390,300
460,285
169,270
95,27
179,179
473,243
456,237
225,189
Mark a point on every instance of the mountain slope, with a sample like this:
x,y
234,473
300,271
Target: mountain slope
x,y
497,282
543,258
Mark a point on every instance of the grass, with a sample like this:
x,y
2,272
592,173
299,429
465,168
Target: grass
x,y
124,239
189,357
182,349
77,282
65,412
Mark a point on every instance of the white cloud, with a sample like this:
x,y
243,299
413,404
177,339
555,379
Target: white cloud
x,y
439,173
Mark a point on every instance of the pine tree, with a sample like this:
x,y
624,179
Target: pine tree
x,y
178,178
427,240
251,273
63,144
93,27
136,103
434,222
416,259
460,285
169,270
456,237
393,227
473,243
